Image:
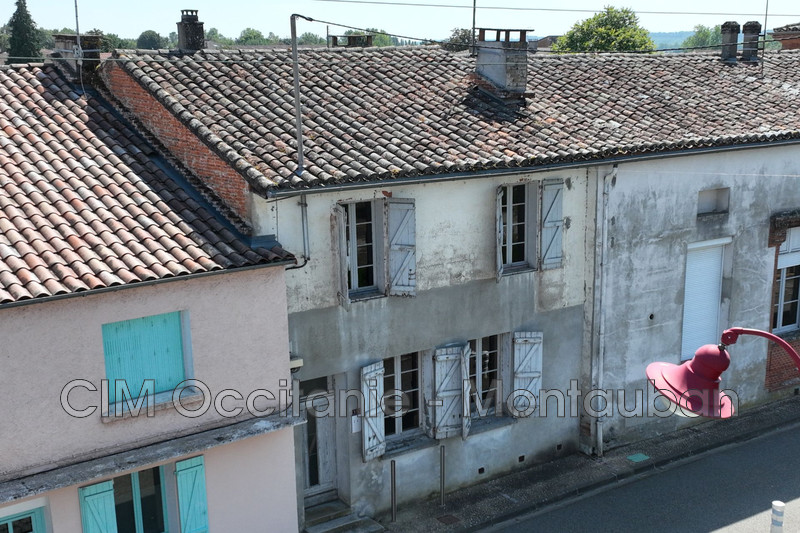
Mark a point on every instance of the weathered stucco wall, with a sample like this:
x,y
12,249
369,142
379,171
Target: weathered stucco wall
x,y
455,239
652,217
239,340
457,298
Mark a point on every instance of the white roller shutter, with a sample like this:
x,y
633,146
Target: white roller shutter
x,y
701,298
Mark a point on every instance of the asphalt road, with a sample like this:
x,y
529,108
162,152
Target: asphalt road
x,y
729,489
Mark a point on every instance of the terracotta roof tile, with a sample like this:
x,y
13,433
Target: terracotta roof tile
x,y
74,216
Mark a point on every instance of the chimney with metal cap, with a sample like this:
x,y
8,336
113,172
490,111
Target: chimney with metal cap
x,y
191,35
730,40
752,31
502,61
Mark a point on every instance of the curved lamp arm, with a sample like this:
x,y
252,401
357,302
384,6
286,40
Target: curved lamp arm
x,y
730,336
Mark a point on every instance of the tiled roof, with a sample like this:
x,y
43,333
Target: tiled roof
x,y
83,207
386,113
788,27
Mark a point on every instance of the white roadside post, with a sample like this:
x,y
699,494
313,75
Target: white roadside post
x,y
777,517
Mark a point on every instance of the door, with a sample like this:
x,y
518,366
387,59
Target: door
x,y
319,454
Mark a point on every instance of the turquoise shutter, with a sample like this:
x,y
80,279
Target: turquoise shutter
x,y
97,508
191,478
144,348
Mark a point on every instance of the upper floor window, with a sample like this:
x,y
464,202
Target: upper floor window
x,y
786,290
529,226
377,248
145,355
484,373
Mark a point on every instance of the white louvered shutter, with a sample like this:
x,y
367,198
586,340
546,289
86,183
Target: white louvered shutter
x,y
402,247
373,436
448,391
338,222
466,420
527,366
499,231
701,299
552,224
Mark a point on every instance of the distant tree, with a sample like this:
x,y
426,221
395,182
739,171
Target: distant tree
x,y
459,40
112,41
24,39
4,37
251,36
612,30
306,38
151,40
173,39
379,37
703,36
214,35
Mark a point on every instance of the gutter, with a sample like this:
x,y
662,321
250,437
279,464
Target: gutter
x,y
434,178
148,283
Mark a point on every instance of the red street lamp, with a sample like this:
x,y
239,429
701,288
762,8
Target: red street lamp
x,y
694,385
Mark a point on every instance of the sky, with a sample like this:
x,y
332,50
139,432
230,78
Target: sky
x,y
429,19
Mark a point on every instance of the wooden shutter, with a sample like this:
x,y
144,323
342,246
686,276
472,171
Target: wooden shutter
x,y
527,363
499,231
98,514
466,419
338,221
373,437
448,391
191,479
552,224
402,247
144,348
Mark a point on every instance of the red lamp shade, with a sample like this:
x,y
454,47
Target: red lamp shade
x,y
694,385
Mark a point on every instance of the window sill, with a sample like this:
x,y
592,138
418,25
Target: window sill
x,y
517,269
398,445
490,422
788,334
160,402
366,295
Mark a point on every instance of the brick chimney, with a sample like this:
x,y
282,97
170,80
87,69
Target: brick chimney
x,y
730,40
351,41
752,31
789,36
191,35
502,61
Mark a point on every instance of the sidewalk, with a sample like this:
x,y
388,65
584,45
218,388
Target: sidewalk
x,y
480,506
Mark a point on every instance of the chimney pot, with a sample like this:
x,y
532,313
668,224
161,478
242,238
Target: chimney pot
x,y
191,35
730,40
752,31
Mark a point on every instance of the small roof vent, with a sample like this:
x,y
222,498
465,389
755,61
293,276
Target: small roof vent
x,y
351,41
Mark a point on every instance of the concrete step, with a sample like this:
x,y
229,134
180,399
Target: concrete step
x,y
325,512
347,524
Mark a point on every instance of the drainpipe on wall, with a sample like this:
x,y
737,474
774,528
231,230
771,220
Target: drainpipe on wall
x,y
304,223
600,352
299,125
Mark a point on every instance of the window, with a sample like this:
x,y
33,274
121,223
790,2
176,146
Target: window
x,y
702,295
27,522
518,226
401,374
377,250
484,372
142,349
137,502
786,289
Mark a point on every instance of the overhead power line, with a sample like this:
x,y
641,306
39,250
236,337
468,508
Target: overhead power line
x,y
550,9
